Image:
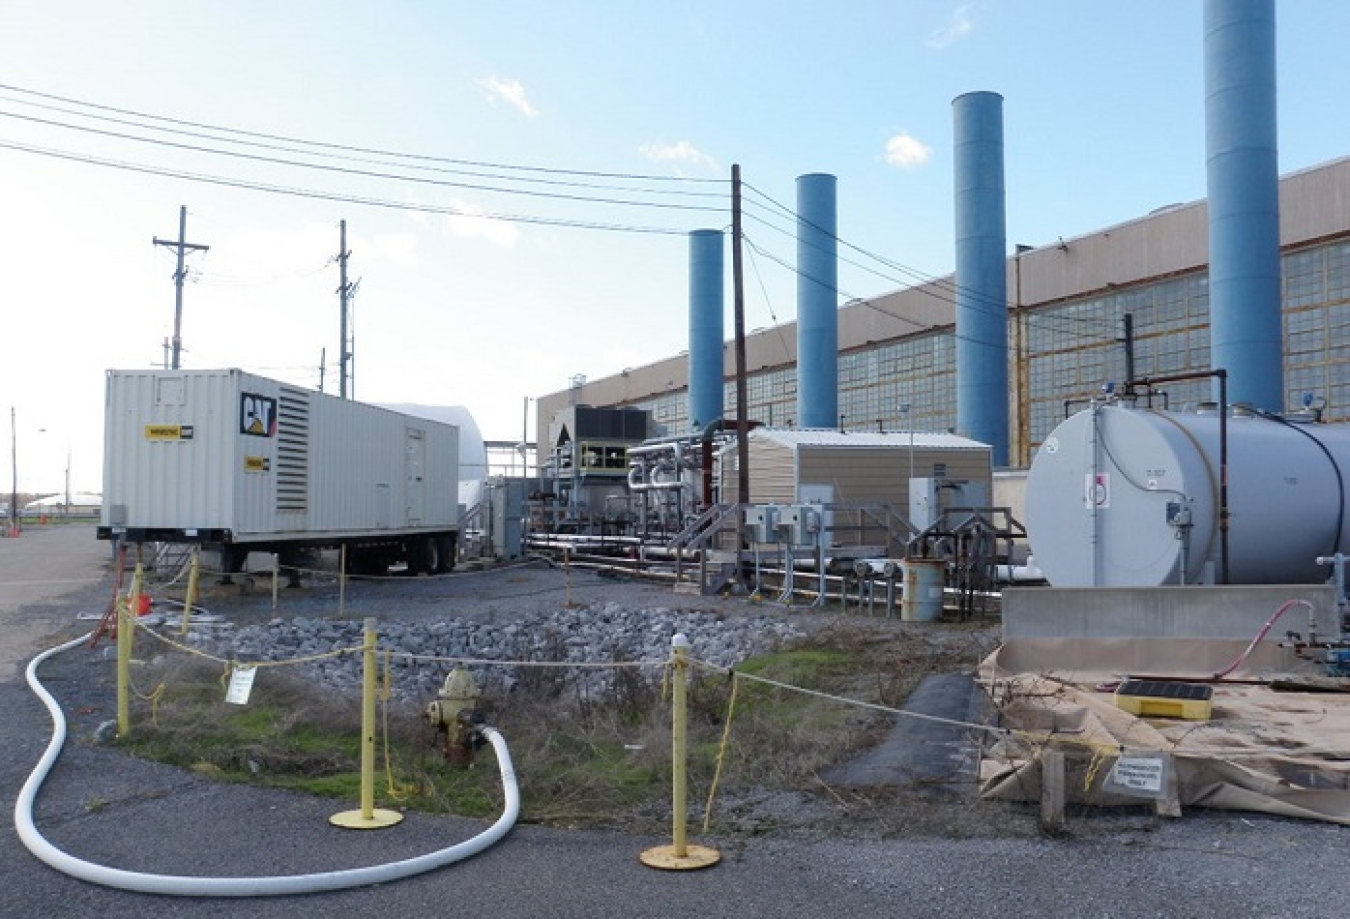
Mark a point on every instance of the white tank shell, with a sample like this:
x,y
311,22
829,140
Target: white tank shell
x,y
1108,486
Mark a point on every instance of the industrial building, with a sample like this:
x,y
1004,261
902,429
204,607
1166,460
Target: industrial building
x,y
1067,305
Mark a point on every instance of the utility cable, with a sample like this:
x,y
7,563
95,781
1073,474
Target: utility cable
x,y
363,173
356,149
334,196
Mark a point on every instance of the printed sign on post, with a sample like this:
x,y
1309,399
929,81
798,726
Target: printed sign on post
x,y
241,684
1140,776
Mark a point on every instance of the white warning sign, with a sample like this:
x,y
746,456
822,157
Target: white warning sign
x,y
1142,776
1097,490
241,685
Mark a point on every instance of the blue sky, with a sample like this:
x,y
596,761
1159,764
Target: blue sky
x,y
1103,118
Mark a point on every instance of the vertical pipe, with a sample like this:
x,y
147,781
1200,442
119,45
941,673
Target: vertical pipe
x,y
1243,186
705,328
817,303
981,273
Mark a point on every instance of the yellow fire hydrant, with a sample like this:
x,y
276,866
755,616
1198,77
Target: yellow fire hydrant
x,y
455,714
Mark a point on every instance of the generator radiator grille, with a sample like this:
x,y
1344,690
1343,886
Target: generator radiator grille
x,y
293,451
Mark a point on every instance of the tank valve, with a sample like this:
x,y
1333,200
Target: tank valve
x,y
456,717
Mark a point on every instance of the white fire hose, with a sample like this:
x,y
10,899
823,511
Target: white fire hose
x,y
266,886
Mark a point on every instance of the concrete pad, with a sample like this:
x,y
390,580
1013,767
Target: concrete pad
x,y
1228,612
930,755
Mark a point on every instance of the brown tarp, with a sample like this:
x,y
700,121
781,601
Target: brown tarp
x,y
1262,749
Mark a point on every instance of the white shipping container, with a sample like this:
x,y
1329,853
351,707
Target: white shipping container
x,y
226,456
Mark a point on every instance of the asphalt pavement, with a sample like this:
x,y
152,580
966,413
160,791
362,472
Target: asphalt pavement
x,y
103,806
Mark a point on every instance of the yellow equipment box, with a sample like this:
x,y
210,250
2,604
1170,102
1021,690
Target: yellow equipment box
x,y
1162,699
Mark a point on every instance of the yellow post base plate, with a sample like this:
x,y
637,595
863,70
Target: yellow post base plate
x,y
354,820
664,857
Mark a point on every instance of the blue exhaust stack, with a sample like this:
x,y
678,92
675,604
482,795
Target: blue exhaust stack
x,y
1244,205
981,273
705,328
817,303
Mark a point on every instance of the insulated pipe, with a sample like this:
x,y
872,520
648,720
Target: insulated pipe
x,y
705,327
1244,207
268,886
817,303
981,273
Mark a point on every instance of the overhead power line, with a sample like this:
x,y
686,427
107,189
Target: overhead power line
x,y
414,157
365,201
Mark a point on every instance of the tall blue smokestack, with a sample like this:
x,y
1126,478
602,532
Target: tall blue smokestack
x,y
981,273
817,303
1244,205
705,328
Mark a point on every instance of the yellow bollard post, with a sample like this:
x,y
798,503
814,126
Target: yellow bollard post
x,y
342,582
189,601
126,625
567,577
368,817
276,581
679,855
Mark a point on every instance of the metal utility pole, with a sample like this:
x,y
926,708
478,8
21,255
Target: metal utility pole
x,y
345,293
183,247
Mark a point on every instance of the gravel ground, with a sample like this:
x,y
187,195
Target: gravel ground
x,y
104,806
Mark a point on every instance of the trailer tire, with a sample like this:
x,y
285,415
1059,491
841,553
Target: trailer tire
x,y
446,546
427,556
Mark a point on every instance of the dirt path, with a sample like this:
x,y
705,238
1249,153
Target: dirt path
x,y
40,572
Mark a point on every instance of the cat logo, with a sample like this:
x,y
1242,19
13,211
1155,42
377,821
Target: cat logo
x,y
257,464
257,415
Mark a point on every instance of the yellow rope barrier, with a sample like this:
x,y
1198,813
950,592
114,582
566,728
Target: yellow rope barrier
x,y
385,695
721,751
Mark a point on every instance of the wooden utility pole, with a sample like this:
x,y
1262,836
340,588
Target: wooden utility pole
x,y
738,298
179,275
742,408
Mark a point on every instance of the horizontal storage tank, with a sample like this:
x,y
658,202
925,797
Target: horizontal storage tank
x,y
1127,497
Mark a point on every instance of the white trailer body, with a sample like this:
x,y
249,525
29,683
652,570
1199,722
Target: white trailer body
x,y
227,458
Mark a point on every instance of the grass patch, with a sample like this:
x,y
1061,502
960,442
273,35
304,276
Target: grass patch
x,y
580,760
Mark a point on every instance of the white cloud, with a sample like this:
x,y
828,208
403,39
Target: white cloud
x,y
512,92
398,248
473,222
682,152
905,152
960,25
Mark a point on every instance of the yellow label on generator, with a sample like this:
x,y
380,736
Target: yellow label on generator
x,y
168,432
257,464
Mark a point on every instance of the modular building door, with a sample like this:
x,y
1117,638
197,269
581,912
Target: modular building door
x,y
415,455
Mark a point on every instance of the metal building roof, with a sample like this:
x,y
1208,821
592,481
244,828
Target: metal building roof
x,y
823,437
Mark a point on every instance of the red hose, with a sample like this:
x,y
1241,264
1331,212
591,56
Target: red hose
x,y
1284,607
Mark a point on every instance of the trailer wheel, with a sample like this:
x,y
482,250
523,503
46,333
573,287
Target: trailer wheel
x,y
427,553
446,546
